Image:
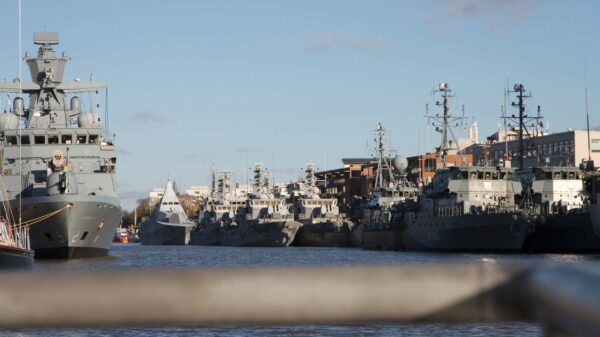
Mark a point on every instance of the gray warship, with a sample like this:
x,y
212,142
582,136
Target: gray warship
x,y
322,223
466,208
593,184
557,195
379,228
220,210
167,224
58,165
264,221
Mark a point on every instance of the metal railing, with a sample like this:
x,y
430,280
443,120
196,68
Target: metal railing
x,y
565,299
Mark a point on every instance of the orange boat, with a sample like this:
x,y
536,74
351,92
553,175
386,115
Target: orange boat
x,y
121,236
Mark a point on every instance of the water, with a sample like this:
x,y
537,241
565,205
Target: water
x,y
135,256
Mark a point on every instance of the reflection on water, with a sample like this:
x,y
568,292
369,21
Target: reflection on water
x,y
134,256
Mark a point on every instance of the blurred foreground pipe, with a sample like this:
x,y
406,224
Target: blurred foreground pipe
x,y
455,293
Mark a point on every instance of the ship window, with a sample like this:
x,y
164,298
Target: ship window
x,y
479,175
66,139
25,140
11,140
465,175
48,236
39,139
81,139
53,139
93,139
84,235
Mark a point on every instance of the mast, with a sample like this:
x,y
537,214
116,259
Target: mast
x,y
382,161
523,120
587,116
444,123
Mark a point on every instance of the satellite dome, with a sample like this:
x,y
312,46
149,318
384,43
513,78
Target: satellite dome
x,y
400,163
88,120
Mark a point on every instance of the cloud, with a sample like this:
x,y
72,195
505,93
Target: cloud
x,y
339,42
496,14
146,117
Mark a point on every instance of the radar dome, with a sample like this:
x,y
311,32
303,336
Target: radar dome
x,y
88,120
400,163
8,121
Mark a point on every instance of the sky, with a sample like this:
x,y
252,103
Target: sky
x,y
192,83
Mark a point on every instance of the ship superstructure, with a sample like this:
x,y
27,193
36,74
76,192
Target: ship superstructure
x,y
220,211
58,164
322,223
378,230
264,221
466,208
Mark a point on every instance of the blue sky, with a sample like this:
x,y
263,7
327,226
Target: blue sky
x,y
286,82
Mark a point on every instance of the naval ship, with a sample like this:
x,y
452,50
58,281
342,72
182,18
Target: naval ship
x,y
220,211
593,184
58,165
465,208
379,226
322,223
560,198
167,224
264,221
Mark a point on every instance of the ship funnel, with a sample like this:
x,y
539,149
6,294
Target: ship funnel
x,y
18,104
400,163
75,104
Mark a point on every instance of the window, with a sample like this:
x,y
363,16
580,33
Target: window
x,y
66,139
39,139
81,139
93,139
430,165
11,140
53,139
25,140
595,145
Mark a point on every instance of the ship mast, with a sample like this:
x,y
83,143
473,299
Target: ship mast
x,y
382,161
522,119
444,123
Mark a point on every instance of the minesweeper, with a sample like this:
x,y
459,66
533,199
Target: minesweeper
x,y
465,208
168,224
559,196
265,220
58,166
379,227
322,223
220,211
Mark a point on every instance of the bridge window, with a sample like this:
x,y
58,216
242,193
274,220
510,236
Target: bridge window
x,y
93,139
53,139
39,139
67,139
81,139
11,140
25,140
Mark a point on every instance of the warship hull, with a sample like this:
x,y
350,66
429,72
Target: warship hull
x,y
207,235
324,234
161,234
595,215
567,233
81,227
260,234
382,240
15,258
504,232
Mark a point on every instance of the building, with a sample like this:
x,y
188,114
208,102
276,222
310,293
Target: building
x,y
567,148
156,194
198,192
422,168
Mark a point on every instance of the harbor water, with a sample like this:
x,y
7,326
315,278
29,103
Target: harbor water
x,y
134,256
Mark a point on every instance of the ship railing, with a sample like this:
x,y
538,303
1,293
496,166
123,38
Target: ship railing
x,y
563,299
